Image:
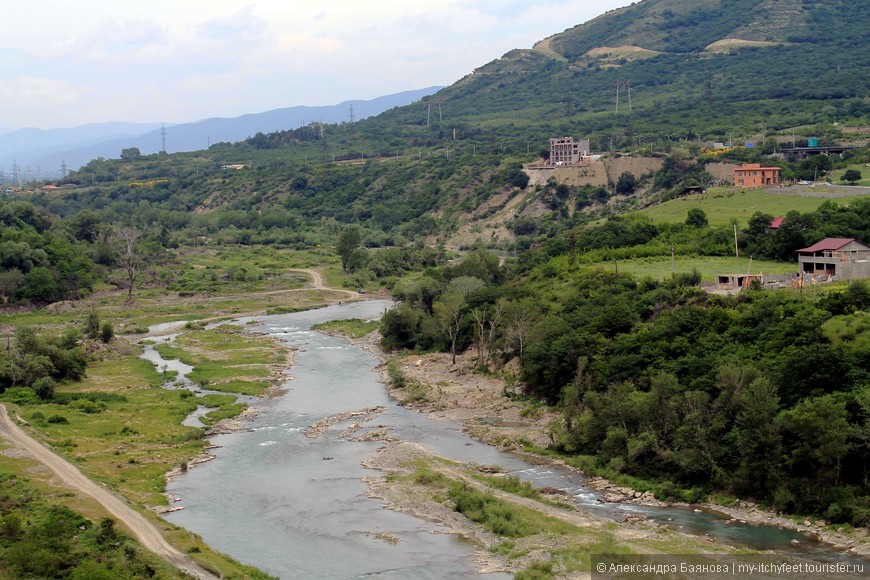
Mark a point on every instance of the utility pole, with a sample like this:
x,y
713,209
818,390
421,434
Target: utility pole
x,y
163,138
736,251
617,85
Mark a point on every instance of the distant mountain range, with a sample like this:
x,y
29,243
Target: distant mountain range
x,y
44,151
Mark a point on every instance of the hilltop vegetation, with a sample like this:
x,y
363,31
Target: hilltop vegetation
x,y
419,173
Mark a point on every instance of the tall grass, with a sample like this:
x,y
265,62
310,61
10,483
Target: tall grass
x,y
497,516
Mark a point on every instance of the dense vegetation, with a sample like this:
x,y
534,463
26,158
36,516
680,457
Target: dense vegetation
x,y
764,395
44,539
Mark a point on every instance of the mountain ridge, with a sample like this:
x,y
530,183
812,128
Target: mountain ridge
x,y
76,146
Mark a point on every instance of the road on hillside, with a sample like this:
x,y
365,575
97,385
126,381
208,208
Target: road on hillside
x,y
143,530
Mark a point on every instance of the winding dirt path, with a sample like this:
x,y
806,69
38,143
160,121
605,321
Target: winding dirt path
x,y
143,530
317,282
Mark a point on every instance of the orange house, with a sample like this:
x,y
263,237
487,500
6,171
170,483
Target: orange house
x,y
754,175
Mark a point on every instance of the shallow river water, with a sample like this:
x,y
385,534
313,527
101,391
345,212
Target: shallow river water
x,y
297,508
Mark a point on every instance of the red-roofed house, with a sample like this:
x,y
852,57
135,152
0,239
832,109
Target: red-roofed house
x,y
754,175
844,258
776,222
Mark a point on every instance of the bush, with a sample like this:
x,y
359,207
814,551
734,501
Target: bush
x,y
21,396
107,332
86,406
44,388
58,420
493,514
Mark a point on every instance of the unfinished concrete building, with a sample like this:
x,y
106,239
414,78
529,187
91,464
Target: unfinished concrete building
x,y
836,258
566,151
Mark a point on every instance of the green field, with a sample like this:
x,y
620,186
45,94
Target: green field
x,y
837,175
722,205
659,268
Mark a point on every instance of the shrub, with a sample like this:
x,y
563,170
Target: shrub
x,y
58,420
107,332
493,514
44,388
21,396
86,406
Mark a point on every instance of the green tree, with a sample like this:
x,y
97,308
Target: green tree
x,y
11,283
696,218
348,241
815,438
399,327
92,325
40,286
852,176
626,184
449,312
757,437
107,332
130,153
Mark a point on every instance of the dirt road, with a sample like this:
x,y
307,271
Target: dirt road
x,y
317,282
143,530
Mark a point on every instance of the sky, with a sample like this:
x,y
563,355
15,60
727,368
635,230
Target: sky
x,y
65,64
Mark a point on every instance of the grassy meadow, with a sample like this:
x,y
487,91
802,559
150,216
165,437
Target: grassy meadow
x,y
225,358
661,268
122,429
837,175
725,205
201,284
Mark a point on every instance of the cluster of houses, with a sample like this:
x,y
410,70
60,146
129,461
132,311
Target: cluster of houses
x,y
565,151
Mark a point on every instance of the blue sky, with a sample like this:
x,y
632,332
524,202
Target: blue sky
x,y
65,64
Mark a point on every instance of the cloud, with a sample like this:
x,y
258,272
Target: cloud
x,y
180,60
45,90
243,23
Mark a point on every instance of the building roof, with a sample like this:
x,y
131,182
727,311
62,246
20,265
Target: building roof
x,y
756,167
776,222
829,244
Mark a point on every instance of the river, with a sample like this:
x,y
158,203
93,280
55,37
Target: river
x,y
297,507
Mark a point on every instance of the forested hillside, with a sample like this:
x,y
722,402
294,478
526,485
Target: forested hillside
x,y
763,395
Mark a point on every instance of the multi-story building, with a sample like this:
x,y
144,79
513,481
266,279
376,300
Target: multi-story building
x,y
843,258
754,175
566,151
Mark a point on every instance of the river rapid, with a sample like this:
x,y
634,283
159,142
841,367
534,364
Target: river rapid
x,y
297,507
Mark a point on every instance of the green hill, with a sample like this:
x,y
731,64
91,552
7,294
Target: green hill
x,y
725,205
453,160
